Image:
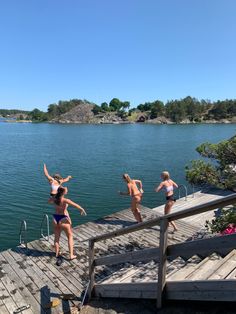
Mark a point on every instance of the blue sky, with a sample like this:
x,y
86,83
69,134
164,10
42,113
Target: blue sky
x,y
135,50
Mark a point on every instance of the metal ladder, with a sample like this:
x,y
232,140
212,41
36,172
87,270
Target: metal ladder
x,y
185,189
23,230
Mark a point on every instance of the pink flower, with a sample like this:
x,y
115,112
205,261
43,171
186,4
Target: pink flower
x,y
229,230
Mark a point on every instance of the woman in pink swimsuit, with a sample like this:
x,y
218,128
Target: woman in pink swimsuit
x,y
168,185
62,221
135,193
55,181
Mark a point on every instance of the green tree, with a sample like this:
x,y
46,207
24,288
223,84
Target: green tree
x,y
219,170
96,109
115,104
37,115
104,106
157,109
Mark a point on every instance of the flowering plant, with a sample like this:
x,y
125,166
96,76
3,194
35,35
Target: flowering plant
x,y
224,222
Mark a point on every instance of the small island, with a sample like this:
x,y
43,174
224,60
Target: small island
x,y
183,111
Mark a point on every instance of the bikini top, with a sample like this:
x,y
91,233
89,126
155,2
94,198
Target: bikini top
x,y
168,188
54,187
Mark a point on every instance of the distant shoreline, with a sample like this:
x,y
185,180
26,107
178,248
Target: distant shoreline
x,y
223,121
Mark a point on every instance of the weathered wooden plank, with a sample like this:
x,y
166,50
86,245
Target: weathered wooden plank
x,y
181,273
225,267
91,268
9,303
42,280
10,267
71,283
200,271
212,290
3,309
202,290
27,277
162,261
203,247
131,257
15,294
128,290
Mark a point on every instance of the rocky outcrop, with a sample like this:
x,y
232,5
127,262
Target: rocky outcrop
x,y
79,114
83,113
108,117
160,120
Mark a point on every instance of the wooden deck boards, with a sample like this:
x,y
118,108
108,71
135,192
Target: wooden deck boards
x,y
30,276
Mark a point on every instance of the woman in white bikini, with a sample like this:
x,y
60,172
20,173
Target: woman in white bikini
x,y
55,181
135,193
168,186
62,221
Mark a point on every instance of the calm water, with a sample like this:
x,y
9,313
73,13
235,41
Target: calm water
x,y
96,156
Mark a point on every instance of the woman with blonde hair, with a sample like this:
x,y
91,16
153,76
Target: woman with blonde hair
x,y
55,181
168,185
135,193
62,221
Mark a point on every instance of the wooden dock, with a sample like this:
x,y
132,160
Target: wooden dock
x,y
29,276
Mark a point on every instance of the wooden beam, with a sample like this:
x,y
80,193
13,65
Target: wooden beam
x,y
219,244
202,290
91,268
147,290
199,290
219,203
131,257
162,262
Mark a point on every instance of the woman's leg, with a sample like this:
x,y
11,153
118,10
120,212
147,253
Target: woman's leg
x,y
68,230
57,232
167,210
134,207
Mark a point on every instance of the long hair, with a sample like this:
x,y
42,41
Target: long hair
x,y
127,177
59,195
165,175
57,177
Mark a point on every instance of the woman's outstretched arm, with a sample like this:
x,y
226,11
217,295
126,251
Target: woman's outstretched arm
x,y
70,202
66,179
47,175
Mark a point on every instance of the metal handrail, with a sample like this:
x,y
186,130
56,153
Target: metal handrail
x,y
23,228
185,189
45,217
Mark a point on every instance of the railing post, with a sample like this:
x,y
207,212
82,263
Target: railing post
x,y
162,262
91,268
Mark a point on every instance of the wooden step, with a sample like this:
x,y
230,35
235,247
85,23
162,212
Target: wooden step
x,y
199,272
225,267
199,290
188,267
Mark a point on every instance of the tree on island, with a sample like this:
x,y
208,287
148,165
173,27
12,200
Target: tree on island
x,y
220,170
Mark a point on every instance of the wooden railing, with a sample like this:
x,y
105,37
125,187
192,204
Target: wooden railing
x,y
185,249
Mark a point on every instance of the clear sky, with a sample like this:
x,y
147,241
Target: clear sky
x,y
134,50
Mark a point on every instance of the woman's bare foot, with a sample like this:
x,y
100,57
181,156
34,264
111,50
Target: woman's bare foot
x,y
73,257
